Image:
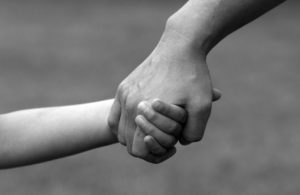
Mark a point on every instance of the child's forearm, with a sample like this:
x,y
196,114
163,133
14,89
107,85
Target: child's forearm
x,y
38,135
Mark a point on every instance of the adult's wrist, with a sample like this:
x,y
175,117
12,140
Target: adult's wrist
x,y
179,43
194,23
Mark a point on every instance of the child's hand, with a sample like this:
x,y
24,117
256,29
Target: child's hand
x,y
161,124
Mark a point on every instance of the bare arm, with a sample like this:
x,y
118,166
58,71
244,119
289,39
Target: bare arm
x,y
176,71
206,22
38,135
200,25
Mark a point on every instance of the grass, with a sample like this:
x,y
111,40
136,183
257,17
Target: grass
x,y
56,53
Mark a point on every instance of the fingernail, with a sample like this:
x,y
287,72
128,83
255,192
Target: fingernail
x,y
148,138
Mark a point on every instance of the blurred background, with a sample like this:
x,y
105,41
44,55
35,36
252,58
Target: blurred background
x,y
67,52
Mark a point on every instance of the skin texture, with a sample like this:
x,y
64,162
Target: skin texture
x,y
153,123
43,134
158,77
176,71
153,114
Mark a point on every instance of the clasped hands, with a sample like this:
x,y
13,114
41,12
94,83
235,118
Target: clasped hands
x,y
166,98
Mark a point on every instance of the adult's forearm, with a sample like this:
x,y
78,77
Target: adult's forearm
x,y
204,23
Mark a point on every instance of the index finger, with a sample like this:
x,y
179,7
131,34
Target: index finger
x,y
114,117
172,111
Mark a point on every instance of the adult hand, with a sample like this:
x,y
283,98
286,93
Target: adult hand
x,y
176,73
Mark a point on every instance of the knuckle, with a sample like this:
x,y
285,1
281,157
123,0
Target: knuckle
x,y
132,101
151,131
123,89
141,106
122,86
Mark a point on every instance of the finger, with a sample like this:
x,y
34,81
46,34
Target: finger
x,y
159,159
216,95
139,147
121,130
163,139
196,123
114,117
163,123
129,129
170,110
153,146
